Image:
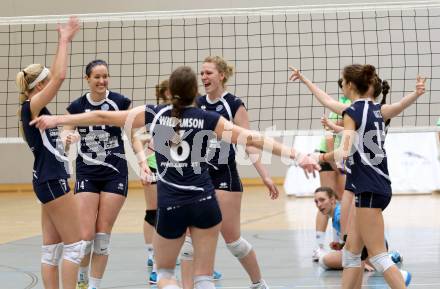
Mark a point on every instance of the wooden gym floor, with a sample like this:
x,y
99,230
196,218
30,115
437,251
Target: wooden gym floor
x,y
281,231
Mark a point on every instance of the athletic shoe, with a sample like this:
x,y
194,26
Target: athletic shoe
x,y
82,285
260,285
216,275
153,278
317,254
396,257
150,260
406,277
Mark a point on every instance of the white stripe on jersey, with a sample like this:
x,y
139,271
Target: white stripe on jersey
x,y
360,146
156,117
228,109
94,161
50,148
190,188
113,104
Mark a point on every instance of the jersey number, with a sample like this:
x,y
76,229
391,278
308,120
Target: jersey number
x,y
180,152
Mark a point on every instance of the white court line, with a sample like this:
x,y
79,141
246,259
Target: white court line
x,y
365,286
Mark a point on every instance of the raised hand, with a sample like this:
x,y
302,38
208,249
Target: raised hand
x,y
420,85
67,31
295,74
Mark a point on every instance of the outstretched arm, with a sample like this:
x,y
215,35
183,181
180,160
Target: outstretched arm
x,y
231,133
59,66
325,99
133,118
391,110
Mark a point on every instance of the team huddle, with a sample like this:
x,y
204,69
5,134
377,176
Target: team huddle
x,y
188,168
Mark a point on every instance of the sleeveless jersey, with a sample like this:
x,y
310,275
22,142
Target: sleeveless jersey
x,y
220,152
367,169
101,154
50,161
183,176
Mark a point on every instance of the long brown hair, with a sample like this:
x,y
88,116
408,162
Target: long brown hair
x,y
183,89
362,76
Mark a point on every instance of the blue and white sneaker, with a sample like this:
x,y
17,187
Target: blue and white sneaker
x,y
153,278
396,257
406,277
216,275
150,260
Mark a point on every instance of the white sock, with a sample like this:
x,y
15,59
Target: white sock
x,y
83,274
94,283
320,238
260,284
154,269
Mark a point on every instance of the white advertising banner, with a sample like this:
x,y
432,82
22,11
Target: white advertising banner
x,y
412,163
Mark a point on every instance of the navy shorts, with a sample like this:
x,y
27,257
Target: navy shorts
x,y
117,185
225,177
372,200
172,222
51,190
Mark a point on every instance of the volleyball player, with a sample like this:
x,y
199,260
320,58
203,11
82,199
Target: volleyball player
x,y
326,202
186,195
101,172
223,169
59,215
347,201
367,171
329,175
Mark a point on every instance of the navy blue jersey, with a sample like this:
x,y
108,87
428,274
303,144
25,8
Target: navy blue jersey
x,y
367,169
101,154
50,161
183,176
220,152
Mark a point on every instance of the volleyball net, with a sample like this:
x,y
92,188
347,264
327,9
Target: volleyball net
x,y
401,39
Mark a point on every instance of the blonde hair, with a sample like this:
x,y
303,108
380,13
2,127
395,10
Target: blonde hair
x,y
23,79
222,66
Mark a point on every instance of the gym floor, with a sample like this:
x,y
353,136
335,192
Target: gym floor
x,y
281,231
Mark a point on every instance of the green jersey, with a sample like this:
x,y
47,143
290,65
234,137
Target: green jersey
x,y
334,117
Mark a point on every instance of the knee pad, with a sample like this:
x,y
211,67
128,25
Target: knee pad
x,y
165,274
203,282
381,262
51,254
239,248
322,263
187,251
350,260
74,252
150,217
101,244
